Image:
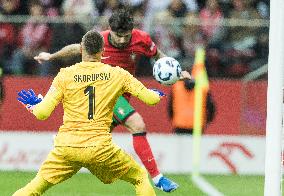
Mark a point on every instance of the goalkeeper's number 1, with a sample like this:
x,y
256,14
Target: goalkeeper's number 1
x,y
90,90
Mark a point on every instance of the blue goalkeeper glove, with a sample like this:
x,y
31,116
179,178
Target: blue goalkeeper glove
x,y
29,99
160,93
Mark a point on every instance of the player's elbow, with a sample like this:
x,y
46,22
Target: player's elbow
x,y
154,101
41,114
149,97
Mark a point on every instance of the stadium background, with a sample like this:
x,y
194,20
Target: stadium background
x,y
235,36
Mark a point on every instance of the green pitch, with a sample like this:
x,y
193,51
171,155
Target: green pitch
x,y
83,184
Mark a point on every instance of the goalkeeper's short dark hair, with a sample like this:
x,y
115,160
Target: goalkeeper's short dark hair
x,y
121,20
93,42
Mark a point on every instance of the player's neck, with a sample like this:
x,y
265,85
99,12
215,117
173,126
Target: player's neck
x,y
88,58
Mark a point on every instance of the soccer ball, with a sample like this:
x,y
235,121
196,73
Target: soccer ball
x,y
167,70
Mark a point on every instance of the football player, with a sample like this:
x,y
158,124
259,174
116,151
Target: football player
x,y
88,91
123,44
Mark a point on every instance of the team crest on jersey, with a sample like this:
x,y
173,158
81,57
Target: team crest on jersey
x,y
121,111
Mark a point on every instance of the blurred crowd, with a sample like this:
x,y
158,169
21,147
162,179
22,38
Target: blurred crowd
x,y
176,26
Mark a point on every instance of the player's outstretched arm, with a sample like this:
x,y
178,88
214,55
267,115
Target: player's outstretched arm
x,y
41,108
136,88
150,96
65,52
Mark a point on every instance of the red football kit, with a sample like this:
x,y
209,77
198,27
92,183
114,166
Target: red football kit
x,y
140,44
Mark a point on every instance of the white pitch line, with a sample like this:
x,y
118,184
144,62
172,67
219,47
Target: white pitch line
x,y
205,186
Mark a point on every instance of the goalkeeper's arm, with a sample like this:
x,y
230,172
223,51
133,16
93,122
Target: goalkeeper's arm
x,y
136,88
148,96
43,109
66,52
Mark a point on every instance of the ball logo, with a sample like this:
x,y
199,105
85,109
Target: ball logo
x,y
166,77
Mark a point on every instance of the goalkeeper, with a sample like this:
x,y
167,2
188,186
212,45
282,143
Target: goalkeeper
x,y
88,91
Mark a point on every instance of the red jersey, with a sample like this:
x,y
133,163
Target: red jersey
x,y
140,44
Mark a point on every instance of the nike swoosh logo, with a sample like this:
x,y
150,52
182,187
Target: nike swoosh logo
x,y
105,57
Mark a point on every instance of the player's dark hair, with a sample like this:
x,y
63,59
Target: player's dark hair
x,y
121,20
93,42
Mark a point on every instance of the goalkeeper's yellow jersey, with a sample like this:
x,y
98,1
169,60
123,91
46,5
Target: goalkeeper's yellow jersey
x,y
88,92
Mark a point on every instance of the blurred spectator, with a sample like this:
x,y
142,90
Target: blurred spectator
x,y
81,10
157,6
65,34
7,45
105,8
167,31
100,6
10,7
210,18
213,32
7,32
33,38
154,6
261,49
50,9
193,38
177,8
241,39
57,3
139,8
262,7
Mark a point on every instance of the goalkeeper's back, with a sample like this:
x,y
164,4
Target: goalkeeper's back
x,y
90,90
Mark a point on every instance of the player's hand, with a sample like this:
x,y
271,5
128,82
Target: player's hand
x,y
189,84
42,57
160,93
29,99
185,75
